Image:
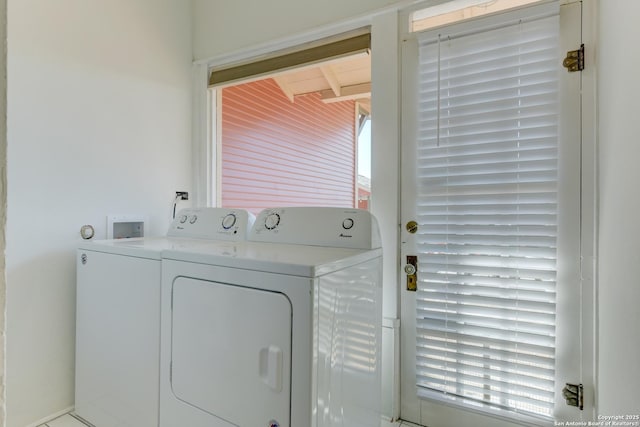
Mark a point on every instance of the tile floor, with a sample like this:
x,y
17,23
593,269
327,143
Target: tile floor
x,y
71,421
64,421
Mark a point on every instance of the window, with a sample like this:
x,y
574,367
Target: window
x,y
287,126
364,159
460,10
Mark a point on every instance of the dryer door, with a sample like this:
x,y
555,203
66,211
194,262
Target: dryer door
x,y
231,351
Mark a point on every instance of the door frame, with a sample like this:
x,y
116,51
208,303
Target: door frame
x,y
588,199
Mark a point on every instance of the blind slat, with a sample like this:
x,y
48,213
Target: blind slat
x,y
525,363
538,353
474,365
490,387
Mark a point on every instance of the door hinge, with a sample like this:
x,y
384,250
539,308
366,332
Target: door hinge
x,y
574,395
574,60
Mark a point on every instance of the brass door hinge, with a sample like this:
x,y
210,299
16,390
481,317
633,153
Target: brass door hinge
x,y
574,60
574,395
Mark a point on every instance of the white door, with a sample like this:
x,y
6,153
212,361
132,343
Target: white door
x,y
231,352
491,177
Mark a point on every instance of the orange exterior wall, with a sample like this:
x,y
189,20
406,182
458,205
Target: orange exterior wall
x,y
279,153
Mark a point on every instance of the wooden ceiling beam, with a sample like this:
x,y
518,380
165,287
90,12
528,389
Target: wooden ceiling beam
x,y
365,104
347,93
284,87
331,78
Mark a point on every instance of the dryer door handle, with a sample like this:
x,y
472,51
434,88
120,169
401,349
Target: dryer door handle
x,y
271,367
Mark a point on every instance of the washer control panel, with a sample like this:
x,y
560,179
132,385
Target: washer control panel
x,y
212,223
317,226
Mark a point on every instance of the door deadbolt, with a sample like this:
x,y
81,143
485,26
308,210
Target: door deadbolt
x,y
412,227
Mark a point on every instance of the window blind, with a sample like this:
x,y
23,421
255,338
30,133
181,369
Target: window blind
x,y
302,56
487,207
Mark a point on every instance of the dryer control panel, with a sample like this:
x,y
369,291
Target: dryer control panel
x,y
212,223
317,226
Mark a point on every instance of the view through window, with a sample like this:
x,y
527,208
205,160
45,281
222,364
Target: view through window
x,y
297,138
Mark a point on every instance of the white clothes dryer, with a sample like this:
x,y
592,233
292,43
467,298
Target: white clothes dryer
x,y
282,330
118,317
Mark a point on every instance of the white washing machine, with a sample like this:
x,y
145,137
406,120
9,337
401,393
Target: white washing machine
x,y
282,330
118,317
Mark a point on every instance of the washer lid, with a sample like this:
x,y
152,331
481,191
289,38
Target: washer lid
x,y
141,247
193,224
295,260
149,247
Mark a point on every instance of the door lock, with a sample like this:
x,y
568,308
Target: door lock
x,y
411,270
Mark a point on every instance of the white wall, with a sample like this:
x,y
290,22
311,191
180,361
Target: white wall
x,y
221,27
619,209
99,122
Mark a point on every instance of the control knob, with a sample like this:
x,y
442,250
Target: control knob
x,y
229,221
271,221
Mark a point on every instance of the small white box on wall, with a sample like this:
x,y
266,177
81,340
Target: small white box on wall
x,y
125,226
